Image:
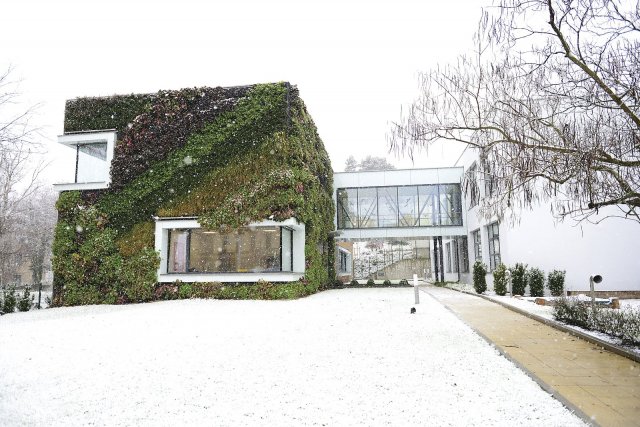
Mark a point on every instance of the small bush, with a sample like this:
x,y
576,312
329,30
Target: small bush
x,y
371,282
479,277
25,301
185,291
500,279
354,282
536,282
623,324
404,282
387,282
555,282
9,303
519,279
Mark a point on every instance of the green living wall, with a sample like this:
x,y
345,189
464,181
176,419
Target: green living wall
x,y
229,156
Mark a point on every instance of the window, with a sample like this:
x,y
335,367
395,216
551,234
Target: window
x,y
464,254
348,208
489,184
403,206
472,186
454,256
93,155
477,245
260,249
91,163
447,249
344,262
494,245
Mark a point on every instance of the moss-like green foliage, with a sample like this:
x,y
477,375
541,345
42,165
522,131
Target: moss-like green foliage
x,y
228,156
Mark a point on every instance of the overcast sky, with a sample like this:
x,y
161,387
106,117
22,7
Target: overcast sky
x,y
355,62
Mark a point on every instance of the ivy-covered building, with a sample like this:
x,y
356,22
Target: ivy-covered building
x,y
215,192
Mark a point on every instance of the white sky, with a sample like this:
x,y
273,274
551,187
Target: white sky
x,y
355,61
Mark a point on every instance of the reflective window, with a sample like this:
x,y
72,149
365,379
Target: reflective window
x,y
429,205
91,163
493,233
477,245
347,208
387,206
450,204
367,207
259,249
408,206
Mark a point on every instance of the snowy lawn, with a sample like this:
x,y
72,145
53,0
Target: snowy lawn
x,y
342,357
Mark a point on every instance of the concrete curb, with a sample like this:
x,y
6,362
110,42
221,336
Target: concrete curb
x,y
543,385
562,327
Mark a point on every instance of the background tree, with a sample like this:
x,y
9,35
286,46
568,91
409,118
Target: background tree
x,y
550,99
369,163
19,171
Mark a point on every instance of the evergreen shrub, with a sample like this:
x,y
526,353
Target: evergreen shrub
x,y
536,282
555,282
387,282
479,277
25,301
500,279
10,300
354,282
371,282
519,279
404,282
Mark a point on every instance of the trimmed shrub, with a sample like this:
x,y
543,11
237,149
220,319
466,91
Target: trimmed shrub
x,y
536,282
479,277
354,282
9,303
387,282
500,279
371,282
555,282
25,301
404,282
623,324
519,279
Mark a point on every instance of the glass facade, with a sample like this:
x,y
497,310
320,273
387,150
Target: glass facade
x,y
258,249
399,206
477,245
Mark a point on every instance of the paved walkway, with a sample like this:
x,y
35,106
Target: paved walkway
x,y
603,385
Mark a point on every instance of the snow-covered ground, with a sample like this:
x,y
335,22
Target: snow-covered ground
x,y
342,357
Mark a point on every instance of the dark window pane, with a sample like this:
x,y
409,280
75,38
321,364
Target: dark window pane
x,y
177,251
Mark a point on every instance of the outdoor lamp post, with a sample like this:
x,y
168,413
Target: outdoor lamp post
x,y
593,279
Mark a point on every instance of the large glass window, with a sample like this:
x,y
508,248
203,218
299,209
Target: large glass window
x,y
388,206
472,186
367,207
493,234
405,206
428,206
348,208
408,206
91,163
259,249
450,204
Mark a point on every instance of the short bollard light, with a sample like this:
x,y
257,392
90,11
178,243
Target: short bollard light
x,y
415,288
593,279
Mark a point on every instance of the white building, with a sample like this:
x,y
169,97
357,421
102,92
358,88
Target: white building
x,y
428,206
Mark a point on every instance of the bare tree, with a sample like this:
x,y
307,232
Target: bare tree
x,y
369,163
19,168
550,99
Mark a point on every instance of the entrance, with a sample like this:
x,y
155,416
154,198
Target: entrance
x,y
392,259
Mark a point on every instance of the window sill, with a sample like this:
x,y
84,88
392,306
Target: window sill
x,y
279,276
81,186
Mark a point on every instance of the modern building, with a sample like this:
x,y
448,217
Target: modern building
x,y
208,185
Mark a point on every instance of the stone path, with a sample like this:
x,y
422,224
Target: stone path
x,y
603,385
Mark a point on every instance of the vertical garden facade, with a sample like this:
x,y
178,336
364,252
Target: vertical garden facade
x,y
214,192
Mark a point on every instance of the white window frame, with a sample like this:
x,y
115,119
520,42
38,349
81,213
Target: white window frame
x,y
163,225
73,140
